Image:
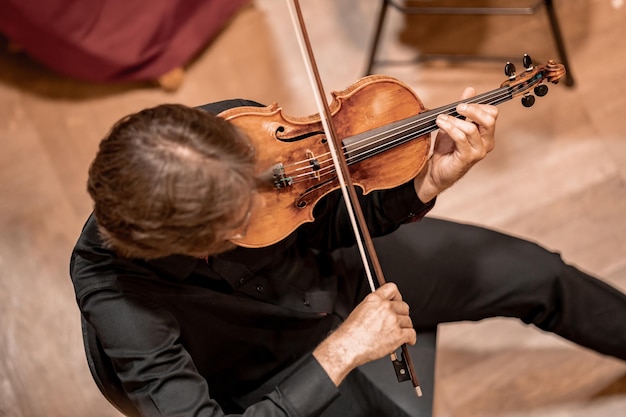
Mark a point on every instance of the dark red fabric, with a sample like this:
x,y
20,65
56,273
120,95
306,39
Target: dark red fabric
x,y
107,40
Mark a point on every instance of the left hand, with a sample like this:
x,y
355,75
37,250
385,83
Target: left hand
x,y
458,146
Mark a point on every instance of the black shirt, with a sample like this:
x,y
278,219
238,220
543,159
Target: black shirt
x,y
192,337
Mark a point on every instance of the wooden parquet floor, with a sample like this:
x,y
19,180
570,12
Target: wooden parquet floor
x,y
557,176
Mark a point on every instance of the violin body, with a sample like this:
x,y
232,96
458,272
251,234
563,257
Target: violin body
x,y
293,162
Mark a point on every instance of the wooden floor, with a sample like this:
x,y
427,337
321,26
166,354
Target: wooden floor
x,y
557,176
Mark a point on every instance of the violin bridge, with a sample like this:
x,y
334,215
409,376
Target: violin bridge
x,y
315,164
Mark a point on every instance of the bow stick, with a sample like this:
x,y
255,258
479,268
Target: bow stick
x,y
403,368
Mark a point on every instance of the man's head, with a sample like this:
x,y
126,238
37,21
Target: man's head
x,y
171,180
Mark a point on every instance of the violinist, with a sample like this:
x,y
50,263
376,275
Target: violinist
x,y
195,325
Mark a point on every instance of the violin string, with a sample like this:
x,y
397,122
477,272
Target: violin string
x,y
494,97
414,128
318,173
417,127
407,130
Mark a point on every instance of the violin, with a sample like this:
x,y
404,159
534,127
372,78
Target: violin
x,y
384,130
375,135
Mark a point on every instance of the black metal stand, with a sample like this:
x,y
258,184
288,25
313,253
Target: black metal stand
x,y
483,10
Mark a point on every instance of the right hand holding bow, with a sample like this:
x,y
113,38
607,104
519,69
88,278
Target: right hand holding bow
x,y
375,328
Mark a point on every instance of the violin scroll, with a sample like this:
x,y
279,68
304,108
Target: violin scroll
x,y
532,78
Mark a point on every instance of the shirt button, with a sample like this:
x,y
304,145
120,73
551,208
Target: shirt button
x,y
307,303
259,288
242,280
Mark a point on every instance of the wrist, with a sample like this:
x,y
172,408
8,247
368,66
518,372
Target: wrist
x,y
424,189
335,358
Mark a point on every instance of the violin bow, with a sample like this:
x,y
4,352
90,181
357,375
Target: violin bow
x,y
403,367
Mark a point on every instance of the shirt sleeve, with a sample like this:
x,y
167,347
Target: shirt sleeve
x,y
384,211
160,378
220,106
401,205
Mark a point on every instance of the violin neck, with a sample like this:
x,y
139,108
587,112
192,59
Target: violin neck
x,y
373,142
494,97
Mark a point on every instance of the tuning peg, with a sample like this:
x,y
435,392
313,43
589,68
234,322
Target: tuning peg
x,y
528,62
528,101
509,70
541,90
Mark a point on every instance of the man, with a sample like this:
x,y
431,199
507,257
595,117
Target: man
x,y
195,326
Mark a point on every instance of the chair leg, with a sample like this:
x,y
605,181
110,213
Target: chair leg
x,y
558,40
376,40
554,27
171,80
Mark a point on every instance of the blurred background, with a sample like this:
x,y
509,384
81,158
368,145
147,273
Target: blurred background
x,y
557,175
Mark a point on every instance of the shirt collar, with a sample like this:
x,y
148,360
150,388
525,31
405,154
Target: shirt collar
x,y
176,267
